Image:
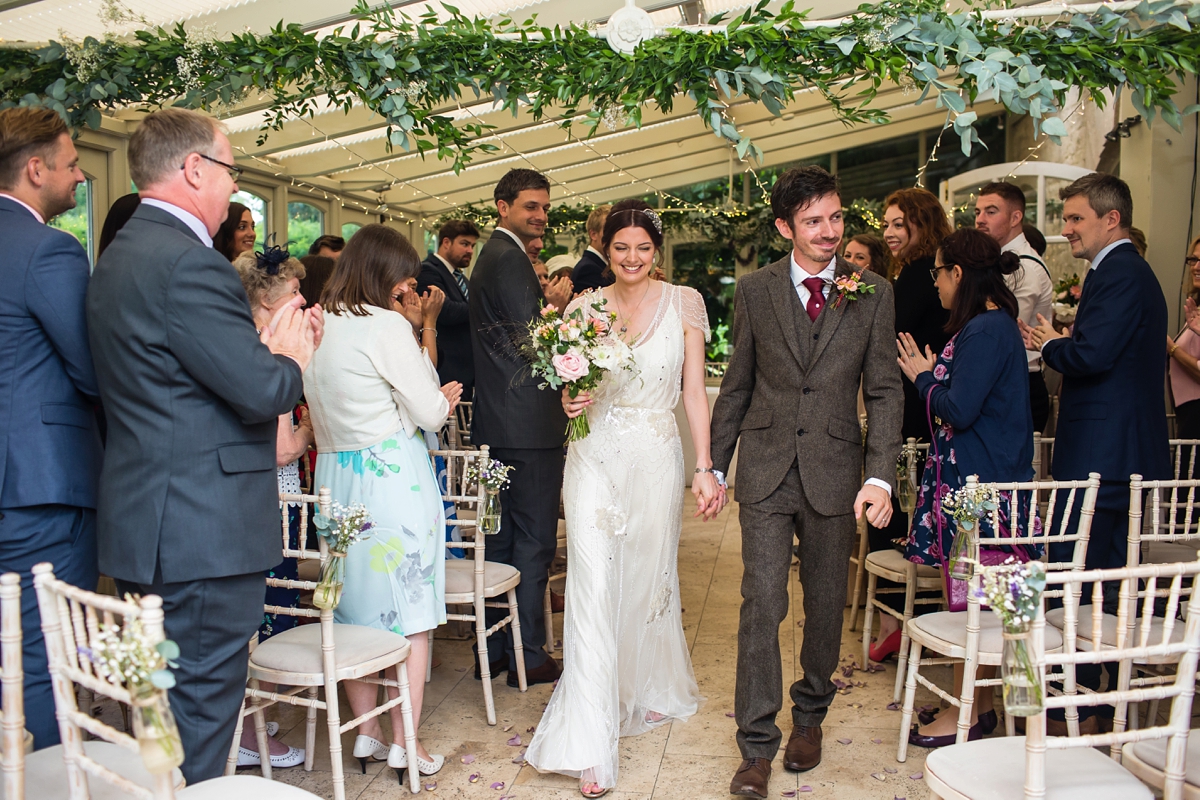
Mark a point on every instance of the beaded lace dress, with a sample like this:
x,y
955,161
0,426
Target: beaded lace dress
x,y
624,653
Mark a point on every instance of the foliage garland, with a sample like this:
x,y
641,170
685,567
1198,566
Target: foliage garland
x,y
406,70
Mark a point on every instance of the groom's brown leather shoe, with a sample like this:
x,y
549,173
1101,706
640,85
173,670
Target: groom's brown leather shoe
x,y
803,749
547,672
752,778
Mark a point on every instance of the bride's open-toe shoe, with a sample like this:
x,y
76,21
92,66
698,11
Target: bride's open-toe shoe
x,y
653,717
588,786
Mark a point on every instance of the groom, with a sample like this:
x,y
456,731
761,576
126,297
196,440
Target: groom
x,y
790,393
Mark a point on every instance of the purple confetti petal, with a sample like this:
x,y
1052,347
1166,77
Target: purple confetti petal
x,y
788,793
805,789
839,684
890,770
847,671
519,758
879,741
515,741
730,714
468,759
498,785
431,786
916,776
879,776
531,729
845,741
893,706
475,776
898,797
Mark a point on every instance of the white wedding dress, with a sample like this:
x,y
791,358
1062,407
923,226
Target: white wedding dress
x,y
624,654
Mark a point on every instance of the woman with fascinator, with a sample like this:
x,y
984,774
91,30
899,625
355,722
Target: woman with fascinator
x,y
626,668
272,279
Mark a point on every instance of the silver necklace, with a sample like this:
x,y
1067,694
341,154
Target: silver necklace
x,y
625,327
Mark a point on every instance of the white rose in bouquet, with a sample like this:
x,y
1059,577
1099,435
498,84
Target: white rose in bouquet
x,y
611,354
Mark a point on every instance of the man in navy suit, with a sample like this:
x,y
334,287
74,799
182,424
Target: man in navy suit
x,y
589,273
50,451
1112,418
444,269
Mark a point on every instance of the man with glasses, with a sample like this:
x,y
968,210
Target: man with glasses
x,y
188,505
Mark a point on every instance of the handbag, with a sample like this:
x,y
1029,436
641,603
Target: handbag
x,y
956,590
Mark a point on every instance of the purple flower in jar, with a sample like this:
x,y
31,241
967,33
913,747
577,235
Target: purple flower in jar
x,y
939,371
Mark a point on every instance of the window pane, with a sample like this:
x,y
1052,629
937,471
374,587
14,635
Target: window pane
x,y
78,221
349,229
306,223
258,210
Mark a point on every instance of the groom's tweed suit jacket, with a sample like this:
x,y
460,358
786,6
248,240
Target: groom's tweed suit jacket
x,y
791,391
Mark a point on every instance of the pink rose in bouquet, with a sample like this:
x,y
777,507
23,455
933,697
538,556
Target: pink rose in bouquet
x,y
570,366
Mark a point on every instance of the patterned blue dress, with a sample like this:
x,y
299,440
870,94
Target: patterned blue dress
x,y
395,580
982,425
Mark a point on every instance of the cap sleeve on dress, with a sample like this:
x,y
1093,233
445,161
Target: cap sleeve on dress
x,y
691,308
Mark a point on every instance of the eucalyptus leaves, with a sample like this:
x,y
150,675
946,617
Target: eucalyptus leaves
x,y
414,72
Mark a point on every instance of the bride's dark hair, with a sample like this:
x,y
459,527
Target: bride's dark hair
x,y
621,218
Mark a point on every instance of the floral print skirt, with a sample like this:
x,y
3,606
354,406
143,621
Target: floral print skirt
x,y
396,579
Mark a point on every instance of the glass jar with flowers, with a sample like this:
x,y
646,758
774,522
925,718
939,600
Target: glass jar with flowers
x,y
906,490
124,656
492,475
1013,590
344,526
967,506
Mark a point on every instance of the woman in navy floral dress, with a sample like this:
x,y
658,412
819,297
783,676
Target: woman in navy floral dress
x,y
977,396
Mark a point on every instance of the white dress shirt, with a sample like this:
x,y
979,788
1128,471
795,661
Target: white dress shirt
x,y
800,275
187,217
1100,256
28,207
1033,288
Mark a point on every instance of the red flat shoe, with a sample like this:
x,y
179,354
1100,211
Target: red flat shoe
x,y
881,651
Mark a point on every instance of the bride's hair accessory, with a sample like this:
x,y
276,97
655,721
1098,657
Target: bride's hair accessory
x,y
654,219
272,258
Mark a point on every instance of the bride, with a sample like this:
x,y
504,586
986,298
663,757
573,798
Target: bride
x,y
626,663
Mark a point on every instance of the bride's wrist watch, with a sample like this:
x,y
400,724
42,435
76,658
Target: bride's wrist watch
x,y
716,473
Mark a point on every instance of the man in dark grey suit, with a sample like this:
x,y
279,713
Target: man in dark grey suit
x,y
443,268
50,449
801,350
188,495
524,426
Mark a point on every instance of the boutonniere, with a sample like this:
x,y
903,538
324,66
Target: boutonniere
x,y
851,287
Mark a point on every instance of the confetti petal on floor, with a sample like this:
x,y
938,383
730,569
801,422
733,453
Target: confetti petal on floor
x,y
916,776
506,728
531,729
474,778
788,793
468,759
498,785
879,741
515,741
730,714
879,776
431,786
845,741
890,770
893,706
805,789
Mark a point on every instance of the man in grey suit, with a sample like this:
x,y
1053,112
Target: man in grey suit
x,y
188,495
802,347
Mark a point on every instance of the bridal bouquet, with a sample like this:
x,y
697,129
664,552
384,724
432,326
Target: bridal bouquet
x,y
576,350
343,527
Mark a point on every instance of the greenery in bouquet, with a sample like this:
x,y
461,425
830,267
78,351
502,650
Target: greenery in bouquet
x,y
967,505
1013,590
344,526
576,350
492,474
1068,290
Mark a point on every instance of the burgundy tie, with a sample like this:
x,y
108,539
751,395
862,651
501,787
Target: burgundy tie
x,y
816,297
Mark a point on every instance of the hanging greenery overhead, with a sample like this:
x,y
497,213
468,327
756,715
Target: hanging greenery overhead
x,y
406,69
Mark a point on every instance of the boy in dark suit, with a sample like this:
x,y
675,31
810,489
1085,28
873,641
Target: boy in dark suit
x,y
50,449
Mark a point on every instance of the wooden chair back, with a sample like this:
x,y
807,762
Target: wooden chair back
x,y
72,622
468,499
1173,513
12,721
1141,635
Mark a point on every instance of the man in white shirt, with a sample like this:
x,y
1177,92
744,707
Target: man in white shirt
x,y
1000,213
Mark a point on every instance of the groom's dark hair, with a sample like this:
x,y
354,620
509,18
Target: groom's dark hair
x,y
517,181
798,188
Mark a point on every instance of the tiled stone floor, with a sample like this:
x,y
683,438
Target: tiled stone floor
x,y
693,760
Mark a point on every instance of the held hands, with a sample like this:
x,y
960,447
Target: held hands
x,y
558,292
710,495
876,503
1035,337
574,406
452,391
294,333
912,363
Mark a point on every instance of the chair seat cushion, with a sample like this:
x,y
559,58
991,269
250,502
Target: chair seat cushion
x,y
46,774
950,627
1108,630
298,650
994,769
1153,753
894,561
243,787
497,578
1170,552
